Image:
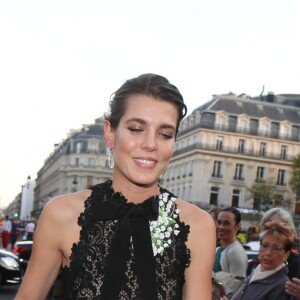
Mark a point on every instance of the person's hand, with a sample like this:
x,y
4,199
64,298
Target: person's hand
x,y
293,288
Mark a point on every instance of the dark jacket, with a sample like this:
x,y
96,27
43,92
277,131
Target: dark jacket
x,y
270,288
294,265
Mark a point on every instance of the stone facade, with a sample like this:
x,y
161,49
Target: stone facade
x,y
78,162
225,145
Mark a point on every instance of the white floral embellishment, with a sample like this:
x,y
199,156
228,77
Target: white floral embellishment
x,y
162,229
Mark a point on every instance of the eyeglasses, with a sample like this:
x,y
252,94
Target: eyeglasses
x,y
274,248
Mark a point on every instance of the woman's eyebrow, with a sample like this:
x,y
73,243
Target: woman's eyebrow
x,y
142,121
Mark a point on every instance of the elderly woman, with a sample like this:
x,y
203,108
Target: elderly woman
x,y
278,214
268,280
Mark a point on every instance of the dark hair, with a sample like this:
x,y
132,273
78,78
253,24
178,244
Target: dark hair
x,y
149,85
280,231
236,212
215,211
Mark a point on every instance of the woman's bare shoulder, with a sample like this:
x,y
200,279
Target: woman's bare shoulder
x,y
192,214
68,206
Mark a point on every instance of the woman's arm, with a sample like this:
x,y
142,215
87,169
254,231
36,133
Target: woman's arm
x,y
202,244
46,257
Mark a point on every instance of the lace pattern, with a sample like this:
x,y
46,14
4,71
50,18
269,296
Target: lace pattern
x,y
84,278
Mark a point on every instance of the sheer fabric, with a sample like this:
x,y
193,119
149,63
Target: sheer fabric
x,y
84,278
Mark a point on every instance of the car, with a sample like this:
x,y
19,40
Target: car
x,y
10,271
22,249
253,245
253,260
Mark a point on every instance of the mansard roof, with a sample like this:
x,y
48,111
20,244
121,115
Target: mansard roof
x,y
275,107
90,130
82,135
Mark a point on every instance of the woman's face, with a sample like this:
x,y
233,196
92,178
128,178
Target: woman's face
x,y
227,227
144,140
272,253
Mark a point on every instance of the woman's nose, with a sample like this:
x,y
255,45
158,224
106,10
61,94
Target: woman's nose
x,y
149,142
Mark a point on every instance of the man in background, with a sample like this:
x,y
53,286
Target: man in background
x,y
29,229
6,229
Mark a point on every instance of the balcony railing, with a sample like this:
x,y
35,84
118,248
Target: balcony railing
x,y
243,130
232,150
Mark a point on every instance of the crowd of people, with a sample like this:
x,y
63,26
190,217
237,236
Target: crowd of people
x,y
129,238
15,229
277,275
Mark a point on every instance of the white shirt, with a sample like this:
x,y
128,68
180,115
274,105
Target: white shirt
x,y
30,227
6,225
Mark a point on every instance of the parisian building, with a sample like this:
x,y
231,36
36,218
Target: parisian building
x,y
223,147
227,144
76,163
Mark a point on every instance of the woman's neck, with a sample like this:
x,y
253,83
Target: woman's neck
x,y
135,193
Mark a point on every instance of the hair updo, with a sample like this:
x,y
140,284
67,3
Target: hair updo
x,y
151,85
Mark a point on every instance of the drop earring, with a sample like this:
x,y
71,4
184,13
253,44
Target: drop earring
x,y
162,175
111,162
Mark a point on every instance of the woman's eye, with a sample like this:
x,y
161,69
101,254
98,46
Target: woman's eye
x,y
167,135
133,129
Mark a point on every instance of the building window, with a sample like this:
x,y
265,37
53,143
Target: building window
x,y
78,147
262,149
239,172
93,147
281,177
217,169
190,168
243,125
178,192
285,131
219,144
241,147
76,161
236,197
91,162
189,193
89,181
222,122
214,195
265,128
283,152
177,168
260,173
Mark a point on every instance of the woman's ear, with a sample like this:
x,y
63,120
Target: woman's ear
x,y
108,134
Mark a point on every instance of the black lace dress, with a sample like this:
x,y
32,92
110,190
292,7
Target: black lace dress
x,y
112,259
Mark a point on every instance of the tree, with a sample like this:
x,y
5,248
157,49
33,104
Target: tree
x,y
295,177
264,194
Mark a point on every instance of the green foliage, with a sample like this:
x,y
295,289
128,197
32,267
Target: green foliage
x,y
263,191
295,176
242,237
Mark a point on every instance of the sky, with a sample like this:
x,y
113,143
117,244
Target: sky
x,y
61,60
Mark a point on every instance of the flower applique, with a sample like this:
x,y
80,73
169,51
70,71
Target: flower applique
x,y
162,229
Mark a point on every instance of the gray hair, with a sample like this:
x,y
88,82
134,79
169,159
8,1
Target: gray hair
x,y
285,216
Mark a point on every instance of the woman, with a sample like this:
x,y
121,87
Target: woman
x,y
278,214
231,260
214,212
133,239
268,280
